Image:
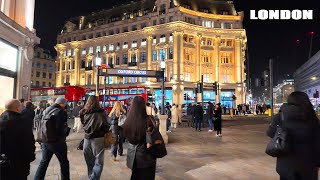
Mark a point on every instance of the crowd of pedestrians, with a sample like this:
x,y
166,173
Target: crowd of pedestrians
x,y
299,160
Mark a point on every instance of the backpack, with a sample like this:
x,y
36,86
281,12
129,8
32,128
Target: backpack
x,y
46,129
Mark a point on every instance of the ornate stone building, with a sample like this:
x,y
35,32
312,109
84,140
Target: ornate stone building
x,y
194,38
43,69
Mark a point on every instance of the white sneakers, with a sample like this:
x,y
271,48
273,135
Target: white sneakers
x,y
210,130
220,135
168,131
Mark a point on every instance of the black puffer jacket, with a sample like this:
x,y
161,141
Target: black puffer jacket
x,y
301,162
17,141
94,123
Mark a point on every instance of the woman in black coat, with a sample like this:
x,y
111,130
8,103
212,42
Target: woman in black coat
x,y
302,124
218,120
139,157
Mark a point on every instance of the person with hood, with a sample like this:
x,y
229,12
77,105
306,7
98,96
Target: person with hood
x,y
17,143
95,125
174,116
301,122
117,131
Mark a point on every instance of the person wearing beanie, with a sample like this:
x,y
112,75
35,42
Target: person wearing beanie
x,y
56,144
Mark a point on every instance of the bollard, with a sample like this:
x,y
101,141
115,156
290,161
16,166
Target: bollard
x,y
269,113
163,127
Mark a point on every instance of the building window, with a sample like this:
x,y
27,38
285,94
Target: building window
x,y
37,83
38,65
44,75
69,52
206,78
162,38
143,25
134,44
170,53
163,54
32,74
84,51
110,61
118,60
209,42
111,47
143,57
144,42
89,79
171,38
83,63
118,46
134,27
134,57
49,84
90,50
64,53
171,19
187,76
226,26
32,64
154,55
154,41
191,39
98,49
125,45
125,59
225,58
44,66
38,74
50,76
162,20
43,84
227,76
104,49
162,9
125,29
229,43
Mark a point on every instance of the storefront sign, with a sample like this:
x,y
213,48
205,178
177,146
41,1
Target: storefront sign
x,y
131,73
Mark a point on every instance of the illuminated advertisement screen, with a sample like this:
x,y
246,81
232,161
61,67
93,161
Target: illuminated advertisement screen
x,y
8,56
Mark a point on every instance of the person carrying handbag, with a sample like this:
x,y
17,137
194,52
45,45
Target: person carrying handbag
x,y
138,130
117,131
298,135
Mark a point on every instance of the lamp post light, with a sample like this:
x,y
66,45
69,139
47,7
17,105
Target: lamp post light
x,y
162,66
98,64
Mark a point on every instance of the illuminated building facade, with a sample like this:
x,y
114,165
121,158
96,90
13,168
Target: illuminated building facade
x,y
194,38
43,69
17,38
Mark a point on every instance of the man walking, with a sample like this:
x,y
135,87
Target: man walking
x,y
77,120
53,139
210,116
198,116
17,143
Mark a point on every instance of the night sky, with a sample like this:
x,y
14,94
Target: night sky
x,y
275,39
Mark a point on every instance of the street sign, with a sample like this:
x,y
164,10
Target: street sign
x,y
130,73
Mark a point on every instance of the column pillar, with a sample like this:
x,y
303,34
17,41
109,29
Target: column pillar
x,y
177,54
198,58
77,65
216,58
181,58
238,60
149,52
59,80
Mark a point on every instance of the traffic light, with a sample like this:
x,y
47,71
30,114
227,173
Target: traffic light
x,y
185,96
215,88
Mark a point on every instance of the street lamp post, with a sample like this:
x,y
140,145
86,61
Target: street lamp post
x,y
162,66
98,64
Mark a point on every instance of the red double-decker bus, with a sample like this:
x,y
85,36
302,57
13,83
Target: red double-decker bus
x,y
43,97
124,95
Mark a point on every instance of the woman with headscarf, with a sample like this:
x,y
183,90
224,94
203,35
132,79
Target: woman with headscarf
x,y
302,125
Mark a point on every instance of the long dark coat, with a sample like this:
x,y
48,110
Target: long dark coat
x,y
218,119
301,162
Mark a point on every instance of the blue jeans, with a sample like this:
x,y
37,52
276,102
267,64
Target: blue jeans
x,y
198,124
93,150
60,150
210,123
168,124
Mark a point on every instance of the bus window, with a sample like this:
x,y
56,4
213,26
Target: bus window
x,y
133,91
43,92
111,91
115,91
60,91
141,91
50,92
125,91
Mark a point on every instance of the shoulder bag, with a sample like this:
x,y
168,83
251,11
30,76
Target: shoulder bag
x,y
157,150
279,146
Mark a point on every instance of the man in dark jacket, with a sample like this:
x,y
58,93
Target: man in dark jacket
x,y
17,143
77,120
198,116
57,146
28,115
189,115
